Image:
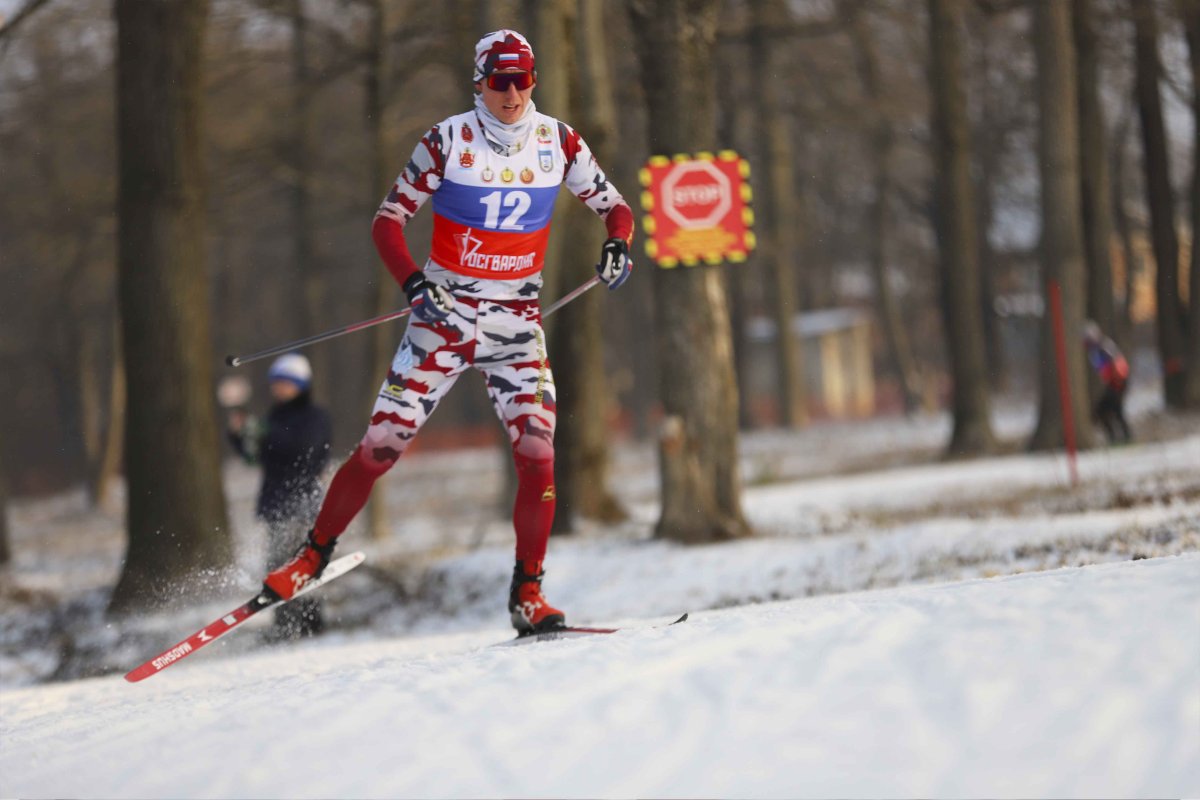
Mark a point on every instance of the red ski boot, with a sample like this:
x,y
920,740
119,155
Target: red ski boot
x,y
308,563
530,611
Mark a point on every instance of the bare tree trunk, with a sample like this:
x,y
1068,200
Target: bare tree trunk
x,y
989,151
701,484
91,407
881,143
577,339
992,341
1129,255
112,450
1062,228
5,545
555,61
780,213
1191,19
382,294
104,422
1160,200
957,235
1093,168
735,125
463,21
310,287
177,519
495,14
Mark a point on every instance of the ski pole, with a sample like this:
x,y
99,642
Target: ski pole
x,y
571,295
237,361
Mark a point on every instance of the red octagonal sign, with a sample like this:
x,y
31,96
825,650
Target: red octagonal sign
x,y
696,195
697,209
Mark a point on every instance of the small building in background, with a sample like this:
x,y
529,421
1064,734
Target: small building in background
x,y
839,377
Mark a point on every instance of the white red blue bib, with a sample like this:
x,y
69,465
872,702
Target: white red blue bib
x,y
492,212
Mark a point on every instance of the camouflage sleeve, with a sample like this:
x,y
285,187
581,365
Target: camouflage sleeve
x,y
418,181
587,181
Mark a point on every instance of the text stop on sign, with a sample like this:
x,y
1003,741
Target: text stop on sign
x,y
696,195
697,209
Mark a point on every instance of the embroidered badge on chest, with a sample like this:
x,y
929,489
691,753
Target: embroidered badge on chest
x,y
487,175
527,175
467,134
546,160
507,175
543,134
466,159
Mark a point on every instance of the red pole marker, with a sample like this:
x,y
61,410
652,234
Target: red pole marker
x,y
1064,384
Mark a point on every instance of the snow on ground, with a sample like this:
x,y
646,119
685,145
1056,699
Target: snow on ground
x,y
826,656
1075,682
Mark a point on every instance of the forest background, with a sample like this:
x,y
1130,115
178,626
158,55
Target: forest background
x,y
930,164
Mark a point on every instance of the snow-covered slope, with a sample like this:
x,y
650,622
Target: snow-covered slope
x,y
1082,681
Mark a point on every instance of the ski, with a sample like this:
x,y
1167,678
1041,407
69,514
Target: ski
x,y
569,632
219,627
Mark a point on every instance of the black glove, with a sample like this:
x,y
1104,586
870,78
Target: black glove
x,y
429,302
614,266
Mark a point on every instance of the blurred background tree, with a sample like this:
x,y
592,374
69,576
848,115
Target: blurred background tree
x,y
178,526
699,470
578,334
858,119
958,234
1062,247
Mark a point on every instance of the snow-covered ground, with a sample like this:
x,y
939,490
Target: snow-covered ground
x,y
1075,682
899,626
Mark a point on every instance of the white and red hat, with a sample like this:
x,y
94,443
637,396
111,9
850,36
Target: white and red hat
x,y
500,50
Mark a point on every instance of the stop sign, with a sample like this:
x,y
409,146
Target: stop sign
x,y
697,209
695,194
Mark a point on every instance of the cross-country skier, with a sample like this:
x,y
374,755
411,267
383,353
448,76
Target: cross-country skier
x,y
493,174
1112,369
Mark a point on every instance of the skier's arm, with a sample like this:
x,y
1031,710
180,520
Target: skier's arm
x,y
587,181
416,184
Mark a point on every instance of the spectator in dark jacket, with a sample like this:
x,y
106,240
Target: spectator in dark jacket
x,y
292,446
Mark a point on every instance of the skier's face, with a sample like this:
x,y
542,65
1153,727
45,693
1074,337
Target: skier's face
x,y
507,105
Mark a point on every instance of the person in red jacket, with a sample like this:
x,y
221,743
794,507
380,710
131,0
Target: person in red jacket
x,y
492,175
1111,367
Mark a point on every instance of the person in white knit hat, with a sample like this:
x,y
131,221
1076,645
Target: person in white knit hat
x,y
292,447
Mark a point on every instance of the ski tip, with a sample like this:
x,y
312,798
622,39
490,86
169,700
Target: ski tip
x,y
681,619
